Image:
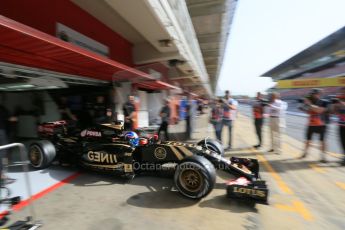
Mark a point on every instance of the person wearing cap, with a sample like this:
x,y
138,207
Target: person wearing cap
x,y
316,108
276,110
165,116
229,115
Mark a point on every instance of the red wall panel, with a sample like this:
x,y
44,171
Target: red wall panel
x,y
44,14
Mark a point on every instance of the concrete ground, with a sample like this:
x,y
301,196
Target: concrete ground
x,y
303,195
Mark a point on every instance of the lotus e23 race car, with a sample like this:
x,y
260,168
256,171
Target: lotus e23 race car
x,y
107,148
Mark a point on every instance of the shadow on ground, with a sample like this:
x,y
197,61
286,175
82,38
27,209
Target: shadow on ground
x,y
223,203
163,199
294,164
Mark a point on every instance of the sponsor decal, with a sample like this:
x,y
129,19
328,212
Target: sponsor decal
x,y
128,168
62,122
102,157
249,191
88,133
160,153
83,133
305,83
42,128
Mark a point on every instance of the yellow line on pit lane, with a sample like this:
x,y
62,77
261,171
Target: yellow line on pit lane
x,y
336,155
316,168
281,184
297,205
340,184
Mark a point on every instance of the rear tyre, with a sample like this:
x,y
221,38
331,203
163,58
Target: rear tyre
x,y
213,145
41,154
195,177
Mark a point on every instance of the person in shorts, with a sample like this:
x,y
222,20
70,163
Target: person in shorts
x,y
316,108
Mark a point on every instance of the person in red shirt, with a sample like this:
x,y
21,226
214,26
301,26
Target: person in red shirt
x,y
258,114
316,109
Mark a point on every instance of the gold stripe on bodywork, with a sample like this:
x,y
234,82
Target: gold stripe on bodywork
x,y
119,165
128,154
116,144
185,151
176,152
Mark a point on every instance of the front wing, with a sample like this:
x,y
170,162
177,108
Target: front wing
x,y
242,188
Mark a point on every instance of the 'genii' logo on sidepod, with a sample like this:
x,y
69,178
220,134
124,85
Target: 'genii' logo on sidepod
x,y
102,157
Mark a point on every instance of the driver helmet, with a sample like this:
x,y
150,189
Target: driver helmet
x,y
132,137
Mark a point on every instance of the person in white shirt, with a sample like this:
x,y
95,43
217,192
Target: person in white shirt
x,y
276,111
229,115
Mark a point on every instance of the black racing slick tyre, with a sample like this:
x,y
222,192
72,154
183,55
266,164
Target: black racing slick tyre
x,y
41,154
213,145
195,177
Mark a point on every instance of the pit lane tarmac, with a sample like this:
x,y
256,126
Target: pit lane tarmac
x,y
303,194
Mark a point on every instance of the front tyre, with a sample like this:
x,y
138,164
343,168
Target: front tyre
x,y
41,154
213,145
195,177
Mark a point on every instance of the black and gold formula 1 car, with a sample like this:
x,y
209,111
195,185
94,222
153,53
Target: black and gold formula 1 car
x,y
107,148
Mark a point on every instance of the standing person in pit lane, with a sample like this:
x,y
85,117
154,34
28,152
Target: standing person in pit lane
x,y
229,115
165,116
65,112
188,132
339,109
258,114
216,117
102,112
316,108
276,110
129,111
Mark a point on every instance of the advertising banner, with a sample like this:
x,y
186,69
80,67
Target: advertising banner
x,y
311,83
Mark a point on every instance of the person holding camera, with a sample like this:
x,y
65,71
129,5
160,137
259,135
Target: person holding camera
x,y
317,109
229,115
258,114
216,117
276,111
338,108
